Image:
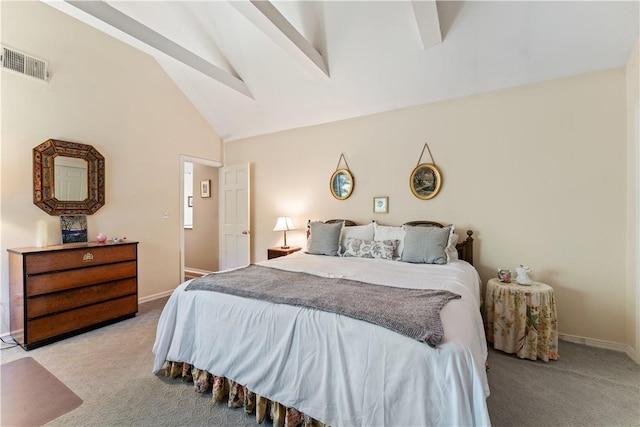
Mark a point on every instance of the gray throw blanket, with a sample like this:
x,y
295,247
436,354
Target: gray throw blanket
x,y
411,312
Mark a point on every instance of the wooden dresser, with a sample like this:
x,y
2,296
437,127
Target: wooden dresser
x,y
63,290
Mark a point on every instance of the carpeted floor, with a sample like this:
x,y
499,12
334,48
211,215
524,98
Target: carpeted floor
x,y
587,386
110,370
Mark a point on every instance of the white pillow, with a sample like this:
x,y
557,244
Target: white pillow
x,y
451,246
362,232
384,232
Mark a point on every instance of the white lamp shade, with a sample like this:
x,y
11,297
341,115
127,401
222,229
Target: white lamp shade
x,y
284,223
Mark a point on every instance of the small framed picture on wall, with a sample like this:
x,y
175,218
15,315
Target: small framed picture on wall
x,y
205,188
380,205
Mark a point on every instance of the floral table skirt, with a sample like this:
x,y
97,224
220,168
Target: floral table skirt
x,y
522,319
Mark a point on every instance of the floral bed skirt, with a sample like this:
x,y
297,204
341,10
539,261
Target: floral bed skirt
x,y
238,396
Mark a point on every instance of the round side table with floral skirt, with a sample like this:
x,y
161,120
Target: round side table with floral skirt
x,y
521,319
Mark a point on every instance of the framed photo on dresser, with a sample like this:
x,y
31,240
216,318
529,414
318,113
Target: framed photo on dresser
x,y
74,228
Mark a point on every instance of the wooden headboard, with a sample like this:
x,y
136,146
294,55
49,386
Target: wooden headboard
x,y
465,248
347,223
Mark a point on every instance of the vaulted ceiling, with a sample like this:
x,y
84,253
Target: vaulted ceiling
x,y
256,67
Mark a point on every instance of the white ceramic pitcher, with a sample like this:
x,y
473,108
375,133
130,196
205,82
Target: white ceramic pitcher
x,y
523,275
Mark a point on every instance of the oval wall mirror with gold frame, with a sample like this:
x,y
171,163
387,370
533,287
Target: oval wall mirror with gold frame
x,y
74,198
341,184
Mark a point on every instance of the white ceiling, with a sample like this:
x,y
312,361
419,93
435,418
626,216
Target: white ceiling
x,y
252,68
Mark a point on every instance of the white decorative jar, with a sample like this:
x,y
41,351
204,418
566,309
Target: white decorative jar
x,y
523,275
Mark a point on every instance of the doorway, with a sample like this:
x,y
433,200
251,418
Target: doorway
x,y
199,216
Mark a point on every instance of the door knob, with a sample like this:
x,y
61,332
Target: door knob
x,y
245,231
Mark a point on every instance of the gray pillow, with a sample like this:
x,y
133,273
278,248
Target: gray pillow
x,y
324,238
426,245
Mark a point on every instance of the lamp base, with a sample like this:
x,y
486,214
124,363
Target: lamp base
x,y
285,247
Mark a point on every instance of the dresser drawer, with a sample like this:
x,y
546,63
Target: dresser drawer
x,y
61,280
80,257
60,301
69,321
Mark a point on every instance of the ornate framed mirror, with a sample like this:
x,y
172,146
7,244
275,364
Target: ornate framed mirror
x,y
341,184
68,178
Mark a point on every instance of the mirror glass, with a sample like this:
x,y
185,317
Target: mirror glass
x,y
341,184
68,178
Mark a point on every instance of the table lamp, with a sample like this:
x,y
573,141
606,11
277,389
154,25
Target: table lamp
x,y
284,223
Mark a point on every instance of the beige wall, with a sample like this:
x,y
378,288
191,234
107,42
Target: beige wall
x,y
201,241
633,192
107,94
538,173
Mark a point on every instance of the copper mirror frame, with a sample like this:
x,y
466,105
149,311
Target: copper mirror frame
x,y
44,175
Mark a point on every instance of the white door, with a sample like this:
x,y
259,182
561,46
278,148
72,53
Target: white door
x,y
235,242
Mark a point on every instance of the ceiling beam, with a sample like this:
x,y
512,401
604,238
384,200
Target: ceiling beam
x,y
426,13
113,17
270,21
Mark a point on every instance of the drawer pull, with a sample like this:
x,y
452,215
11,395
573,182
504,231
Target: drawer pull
x,y
88,257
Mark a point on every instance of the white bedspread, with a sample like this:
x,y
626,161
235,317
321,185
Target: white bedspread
x,y
333,368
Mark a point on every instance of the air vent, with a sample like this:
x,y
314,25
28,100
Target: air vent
x,y
24,64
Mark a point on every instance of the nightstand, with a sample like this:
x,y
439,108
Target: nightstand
x,y
277,251
522,319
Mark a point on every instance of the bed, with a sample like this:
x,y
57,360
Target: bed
x,y
314,366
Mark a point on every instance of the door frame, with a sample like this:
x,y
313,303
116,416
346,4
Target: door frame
x,y
635,149
199,160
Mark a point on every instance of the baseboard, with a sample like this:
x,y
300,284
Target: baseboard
x,y
155,296
609,345
632,354
196,271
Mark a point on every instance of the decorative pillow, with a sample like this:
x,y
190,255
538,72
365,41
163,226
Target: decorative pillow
x,y
451,247
364,232
426,245
384,249
384,232
324,238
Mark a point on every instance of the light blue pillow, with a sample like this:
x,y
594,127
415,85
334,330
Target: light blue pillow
x,y
426,245
324,238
